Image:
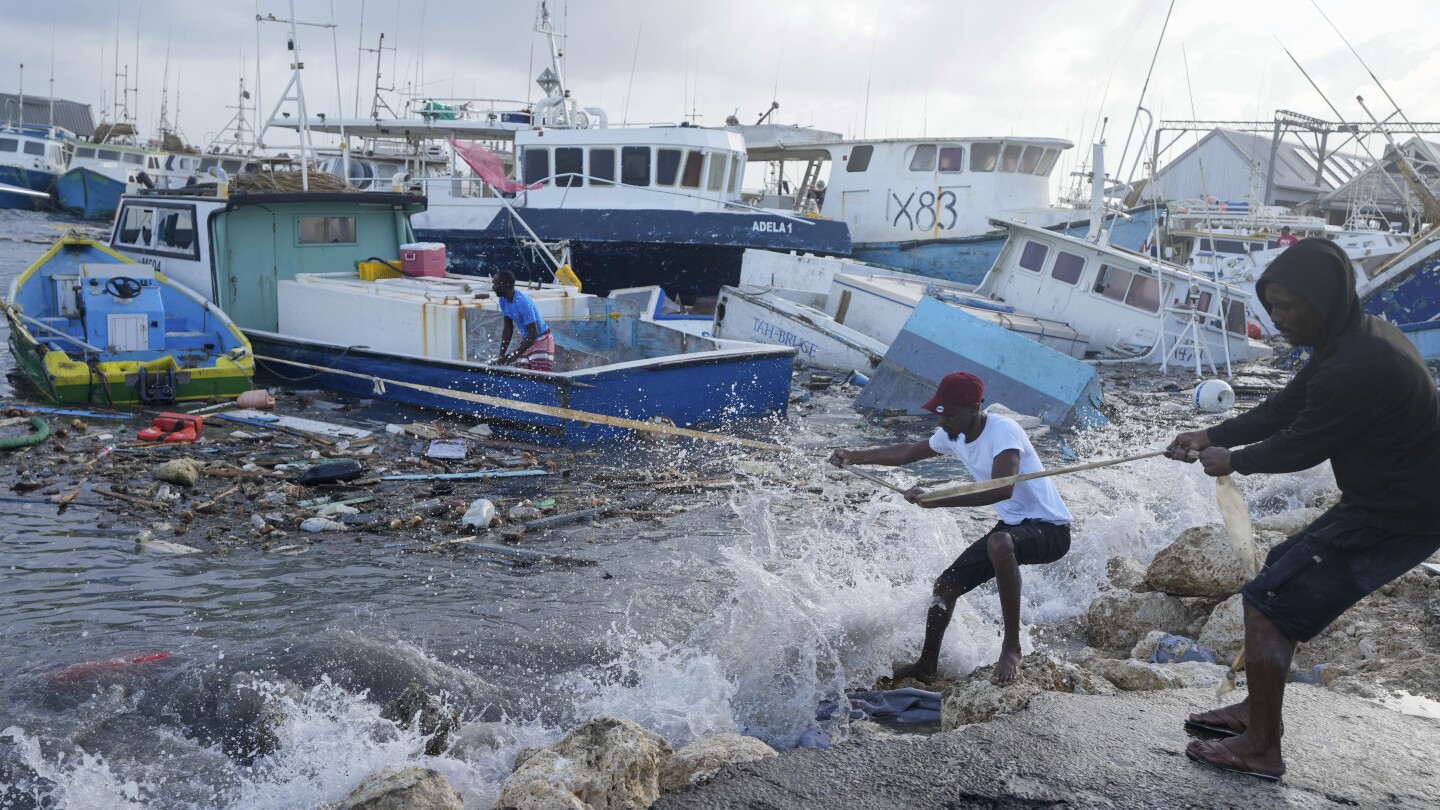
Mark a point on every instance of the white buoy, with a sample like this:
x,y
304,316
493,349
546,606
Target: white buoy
x,y
1214,396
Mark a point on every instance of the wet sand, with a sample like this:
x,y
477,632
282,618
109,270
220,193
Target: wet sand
x,y
1126,750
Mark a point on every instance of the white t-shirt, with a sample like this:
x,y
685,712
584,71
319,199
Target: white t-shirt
x,y
1034,499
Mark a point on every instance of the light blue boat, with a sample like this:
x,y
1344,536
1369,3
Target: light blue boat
x,y
86,193
1019,373
1425,336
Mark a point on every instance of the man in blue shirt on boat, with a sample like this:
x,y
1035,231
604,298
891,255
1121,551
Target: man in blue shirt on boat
x,y
536,351
1034,526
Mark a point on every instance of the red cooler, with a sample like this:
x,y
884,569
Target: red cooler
x,y
422,259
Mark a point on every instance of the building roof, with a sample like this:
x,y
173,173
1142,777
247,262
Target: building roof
x,y
1295,162
71,115
1424,157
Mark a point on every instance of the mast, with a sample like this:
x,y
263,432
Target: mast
x,y
556,83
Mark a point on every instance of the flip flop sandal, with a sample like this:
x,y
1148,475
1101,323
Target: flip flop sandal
x,y
1230,762
1211,728
1218,728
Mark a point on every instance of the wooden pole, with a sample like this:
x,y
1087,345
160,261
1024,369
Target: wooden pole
x,y
999,483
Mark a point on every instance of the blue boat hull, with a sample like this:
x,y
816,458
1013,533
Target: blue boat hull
x,y
1018,373
1411,298
966,260
87,193
690,254
697,392
1426,337
25,178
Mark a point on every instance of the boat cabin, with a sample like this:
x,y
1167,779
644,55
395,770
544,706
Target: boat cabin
x,y
1130,305
906,189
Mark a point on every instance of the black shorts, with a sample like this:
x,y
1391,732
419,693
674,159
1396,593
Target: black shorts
x,y
1036,543
1313,577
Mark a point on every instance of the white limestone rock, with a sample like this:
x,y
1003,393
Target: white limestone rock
x,y
408,789
605,764
703,758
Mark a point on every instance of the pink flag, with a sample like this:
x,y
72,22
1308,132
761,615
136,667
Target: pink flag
x,y
489,168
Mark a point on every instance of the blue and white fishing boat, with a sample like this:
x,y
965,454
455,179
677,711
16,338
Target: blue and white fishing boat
x,y
284,267
924,204
632,205
100,173
32,156
1407,289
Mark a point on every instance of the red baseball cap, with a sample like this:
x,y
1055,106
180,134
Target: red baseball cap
x,y
960,388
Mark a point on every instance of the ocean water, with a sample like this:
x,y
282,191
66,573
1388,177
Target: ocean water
x,y
741,613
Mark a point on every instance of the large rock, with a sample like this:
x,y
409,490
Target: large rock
x,y
1138,676
415,706
1119,619
410,789
1288,523
976,700
1201,563
703,758
1224,632
605,764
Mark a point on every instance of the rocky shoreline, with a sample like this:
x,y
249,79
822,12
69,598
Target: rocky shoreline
x,y
1097,726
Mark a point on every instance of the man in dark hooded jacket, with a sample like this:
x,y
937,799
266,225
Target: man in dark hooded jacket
x,y
1365,402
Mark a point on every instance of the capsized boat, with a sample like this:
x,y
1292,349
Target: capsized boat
x,y
88,325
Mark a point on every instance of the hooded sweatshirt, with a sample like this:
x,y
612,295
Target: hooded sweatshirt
x,y
1365,401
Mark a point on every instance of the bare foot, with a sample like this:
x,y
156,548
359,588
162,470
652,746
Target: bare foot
x,y
915,670
1007,669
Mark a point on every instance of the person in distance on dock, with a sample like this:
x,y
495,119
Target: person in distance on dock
x,y
1366,403
537,346
1034,526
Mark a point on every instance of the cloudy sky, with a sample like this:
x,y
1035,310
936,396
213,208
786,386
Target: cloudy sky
x,y
860,67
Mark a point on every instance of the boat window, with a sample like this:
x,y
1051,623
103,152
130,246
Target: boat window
x,y
1068,267
327,230
135,225
177,230
983,156
635,165
1112,282
1202,304
859,159
85,151
153,162
133,157
602,167
1030,159
924,158
1047,162
537,165
1234,316
1144,293
1225,245
57,155
108,154
667,166
34,148
1011,159
952,158
1033,256
694,162
569,160
9,144
735,174
717,172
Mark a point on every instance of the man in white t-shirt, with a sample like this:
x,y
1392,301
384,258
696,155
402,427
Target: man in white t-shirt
x,y
1034,525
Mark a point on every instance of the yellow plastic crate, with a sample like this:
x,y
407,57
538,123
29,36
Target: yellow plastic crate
x,y
374,271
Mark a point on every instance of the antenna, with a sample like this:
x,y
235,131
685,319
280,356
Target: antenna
x,y
297,64
1124,153
870,73
625,108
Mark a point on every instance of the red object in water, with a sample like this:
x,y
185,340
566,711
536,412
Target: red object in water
x,y
89,669
173,427
1252,329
